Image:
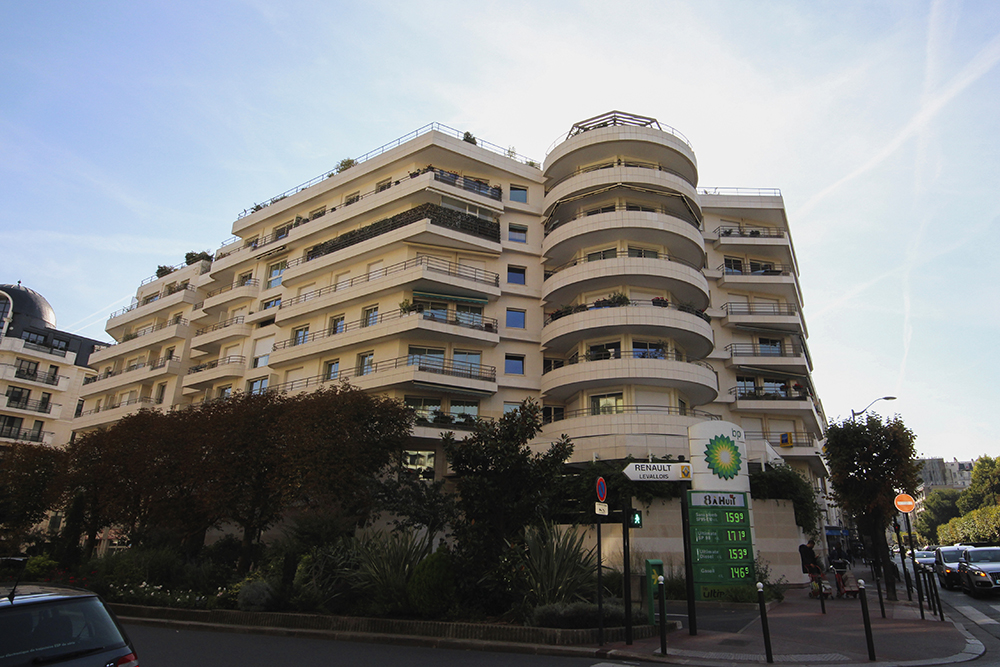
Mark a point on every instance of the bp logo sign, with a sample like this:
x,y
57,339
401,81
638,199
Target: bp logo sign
x,y
723,457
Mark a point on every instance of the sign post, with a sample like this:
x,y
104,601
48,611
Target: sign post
x,y
904,503
600,509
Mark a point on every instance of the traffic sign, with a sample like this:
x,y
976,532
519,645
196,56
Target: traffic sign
x,y
658,472
635,519
602,490
601,508
904,503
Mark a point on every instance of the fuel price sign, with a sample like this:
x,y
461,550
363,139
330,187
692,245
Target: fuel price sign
x,y
721,545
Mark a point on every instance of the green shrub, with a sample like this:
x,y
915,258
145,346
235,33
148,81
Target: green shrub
x,y
431,590
385,564
131,567
38,568
255,595
324,578
554,565
581,615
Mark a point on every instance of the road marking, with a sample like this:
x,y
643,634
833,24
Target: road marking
x,y
996,606
976,616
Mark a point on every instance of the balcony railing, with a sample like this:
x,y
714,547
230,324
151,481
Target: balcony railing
x,y
431,127
45,407
789,439
765,270
44,348
467,183
156,363
464,320
608,355
220,325
174,321
447,420
770,393
142,400
35,375
618,118
610,303
422,362
438,215
742,308
749,232
430,263
663,257
153,298
553,224
630,410
250,282
637,164
234,359
757,350
23,435
741,192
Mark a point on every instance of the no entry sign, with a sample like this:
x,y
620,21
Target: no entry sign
x,y
904,503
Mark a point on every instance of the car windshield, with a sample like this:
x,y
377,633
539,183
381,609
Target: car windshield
x,y
984,556
42,633
950,555
924,554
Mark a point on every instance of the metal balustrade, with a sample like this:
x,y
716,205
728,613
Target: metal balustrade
x,y
24,435
220,325
142,400
758,350
424,363
43,406
232,359
663,257
767,269
156,363
630,410
553,224
148,299
250,282
609,355
35,375
743,308
724,231
779,393
610,303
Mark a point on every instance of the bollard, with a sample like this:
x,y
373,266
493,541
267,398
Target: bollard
x,y
867,619
763,622
663,616
822,594
937,596
931,602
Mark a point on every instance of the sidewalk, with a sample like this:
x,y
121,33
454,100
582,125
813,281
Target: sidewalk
x,y
801,633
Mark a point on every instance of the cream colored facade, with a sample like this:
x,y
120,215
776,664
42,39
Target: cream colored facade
x,y
462,278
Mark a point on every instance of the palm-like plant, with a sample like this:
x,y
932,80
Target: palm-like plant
x,y
555,566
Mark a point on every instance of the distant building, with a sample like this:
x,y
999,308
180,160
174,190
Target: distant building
x,y
940,474
41,370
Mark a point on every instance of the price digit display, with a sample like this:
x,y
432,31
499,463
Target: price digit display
x,y
720,534
734,517
736,535
738,553
739,571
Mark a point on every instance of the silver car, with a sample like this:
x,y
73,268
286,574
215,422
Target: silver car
x,y
979,570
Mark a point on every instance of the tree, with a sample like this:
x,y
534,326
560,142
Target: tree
x,y
870,463
984,489
785,483
503,487
939,508
30,479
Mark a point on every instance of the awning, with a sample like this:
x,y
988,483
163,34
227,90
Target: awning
x,y
449,297
449,389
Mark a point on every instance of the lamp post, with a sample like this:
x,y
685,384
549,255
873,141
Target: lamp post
x,y
854,414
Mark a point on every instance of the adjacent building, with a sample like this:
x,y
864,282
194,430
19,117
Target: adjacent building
x,y
462,278
41,370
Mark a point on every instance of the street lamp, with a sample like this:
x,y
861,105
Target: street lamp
x,y
861,412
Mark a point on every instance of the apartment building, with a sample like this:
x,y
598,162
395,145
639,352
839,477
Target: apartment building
x,y
41,370
461,278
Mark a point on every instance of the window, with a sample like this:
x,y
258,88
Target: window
x,y
553,413
757,267
770,347
644,350
366,363
682,406
607,404
519,194
513,364
151,298
244,279
515,319
262,351
271,303
274,274
424,407
31,337
332,369
601,351
420,462
467,362
383,185
517,233
352,198
282,231
468,315
300,335
552,364
427,358
465,408
642,252
258,386
516,275
510,407
609,208
432,310
745,385
609,253
336,324
59,344
632,206
225,391
775,387
369,316
734,265
318,213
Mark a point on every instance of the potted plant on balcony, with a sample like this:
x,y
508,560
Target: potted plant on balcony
x,y
617,299
488,326
562,311
163,270
405,307
442,417
660,302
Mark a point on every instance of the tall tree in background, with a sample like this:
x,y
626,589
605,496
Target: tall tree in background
x,y
30,478
870,463
984,490
939,508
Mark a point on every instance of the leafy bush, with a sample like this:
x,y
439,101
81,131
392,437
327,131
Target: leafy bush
x,y
345,164
431,590
323,578
785,483
192,257
385,564
132,567
581,615
255,595
163,270
38,568
555,566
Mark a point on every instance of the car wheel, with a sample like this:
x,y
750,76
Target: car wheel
x,y
943,582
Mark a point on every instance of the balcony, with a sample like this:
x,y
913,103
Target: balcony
x,y
34,350
750,237
170,298
790,398
20,374
26,435
220,299
787,357
425,274
175,328
795,446
409,371
697,380
111,413
29,405
203,376
765,278
212,337
655,319
649,178
136,373
625,430
654,271
779,316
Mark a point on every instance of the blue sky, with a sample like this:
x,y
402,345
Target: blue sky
x,y
131,133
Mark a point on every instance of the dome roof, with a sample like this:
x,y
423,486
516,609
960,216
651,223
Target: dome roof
x,y
30,304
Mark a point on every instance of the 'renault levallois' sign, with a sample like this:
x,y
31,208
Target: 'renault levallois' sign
x,y
658,472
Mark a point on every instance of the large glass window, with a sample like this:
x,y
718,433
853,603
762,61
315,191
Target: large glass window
x,y
257,386
300,335
469,315
433,310
770,347
332,369
608,253
734,265
600,351
366,363
423,406
513,364
519,194
428,358
274,274
515,318
746,385
516,275
369,316
467,361
464,408
606,404
517,233
336,324
648,350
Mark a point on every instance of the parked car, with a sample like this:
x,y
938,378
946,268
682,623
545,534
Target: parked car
x,y
946,566
979,570
60,625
